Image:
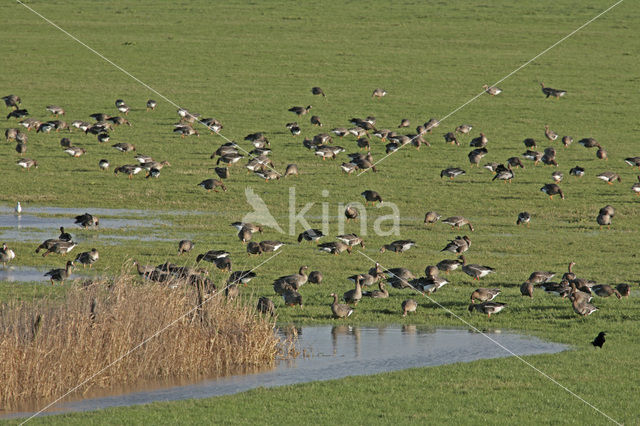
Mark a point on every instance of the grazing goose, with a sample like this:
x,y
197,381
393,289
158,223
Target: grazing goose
x,y
624,290
315,121
86,220
552,189
577,171
492,90
336,247
310,235
534,156
452,172
476,155
538,277
382,293
504,173
47,244
561,289
409,305
589,143
371,197
351,213
581,307
431,217
515,162
55,110
484,294
129,170
291,170
88,258
247,225
604,290
268,246
11,134
266,306
267,175
479,142
526,289
298,110
566,141
557,176
75,151
429,284
458,245
530,143
366,280
451,138
64,236
27,163
295,281
242,277
524,217
231,291
355,295
18,114
212,184
491,167
404,123
464,129
556,93
60,274
212,256
457,222
398,246
636,187
103,137
487,307
11,101
399,277
124,147
212,124
431,124
317,91
604,220
379,93
6,255
230,158
601,154
151,104
60,247
315,277
351,240
340,310
244,235
348,168
222,172
21,148
550,134
549,157
609,177
633,161
292,298
185,246
448,265
253,248
477,271
293,128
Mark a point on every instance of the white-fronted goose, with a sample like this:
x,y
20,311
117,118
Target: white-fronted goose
x,y
366,280
636,187
538,277
428,284
212,256
248,225
348,168
12,101
487,307
267,175
269,246
6,255
524,217
582,308
64,236
589,143
484,294
479,142
492,167
577,171
222,172
399,277
409,305
448,265
310,235
47,244
624,290
315,121
477,271
534,156
88,258
75,151
476,155
492,90
457,222
451,138
291,170
244,235
294,281
292,298
55,110
556,93
398,246
294,129
212,184
604,290
604,220
242,277
266,306
526,289
129,170
315,277
355,295
185,246
503,173
371,197
458,245
404,123
633,161
557,176
86,220
352,213
124,147
317,91
60,247
11,134
561,289
609,177
335,247
60,274
253,248
298,110
552,189
340,310
230,158
27,163
231,291
601,154
452,172
569,275
431,217
550,134
151,104
567,140
379,93
464,129
21,113
351,240
382,293
21,148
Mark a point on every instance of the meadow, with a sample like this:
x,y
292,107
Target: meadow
x,y
246,64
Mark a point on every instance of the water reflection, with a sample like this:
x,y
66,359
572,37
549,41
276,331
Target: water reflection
x,y
332,352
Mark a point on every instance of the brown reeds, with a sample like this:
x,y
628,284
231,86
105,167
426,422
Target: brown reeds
x,y
49,346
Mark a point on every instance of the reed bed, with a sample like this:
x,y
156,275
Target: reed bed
x,y
47,347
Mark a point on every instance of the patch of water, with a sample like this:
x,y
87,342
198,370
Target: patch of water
x,y
341,351
26,274
50,222
27,209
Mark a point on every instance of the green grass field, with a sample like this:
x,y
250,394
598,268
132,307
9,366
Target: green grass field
x,y
246,64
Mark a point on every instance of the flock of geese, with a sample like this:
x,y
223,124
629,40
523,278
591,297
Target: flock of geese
x,y
578,290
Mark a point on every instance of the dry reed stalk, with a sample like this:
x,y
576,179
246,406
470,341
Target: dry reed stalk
x,y
47,347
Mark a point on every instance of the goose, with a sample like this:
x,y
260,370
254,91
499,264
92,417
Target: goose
x,y
60,274
11,101
492,90
348,168
549,158
580,296
484,294
371,197
479,142
379,93
185,130
340,131
21,148
212,184
291,170
569,275
451,138
636,187
315,121
294,281
45,127
18,114
382,134
526,289
128,169
27,163
504,173
82,125
298,110
242,277
556,93
589,143
310,235
124,147
398,246
88,258
409,305
143,270
253,248
103,137
431,124
222,172
452,172
632,161
266,306
515,162
487,307
244,235
229,158
351,240
476,155
382,293
268,246
151,104
557,176
47,244
601,154
148,165
223,263
550,134
212,256
231,291
431,217
315,277
340,310
604,290
566,141
604,220
64,236
624,290
458,245
351,213
74,151
267,175
404,123
609,177
6,255
60,247
582,308
247,225
552,189
561,289
86,220
335,247
534,156
399,277
212,124
227,148
477,271
317,91
448,265
428,284
457,222
524,217
464,129
577,171
363,143
185,246
355,295
30,123
11,134
366,280
538,277
491,167
325,152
